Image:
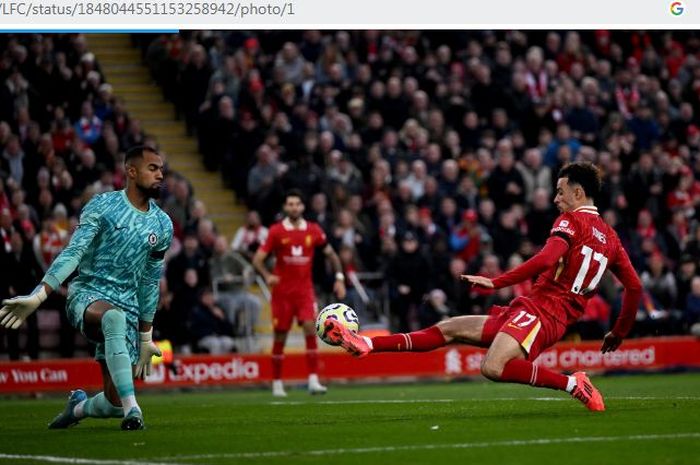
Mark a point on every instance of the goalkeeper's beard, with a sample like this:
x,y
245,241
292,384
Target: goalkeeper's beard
x,y
150,192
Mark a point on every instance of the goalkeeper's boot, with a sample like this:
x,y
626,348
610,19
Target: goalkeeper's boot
x,y
587,393
339,335
133,420
315,386
67,418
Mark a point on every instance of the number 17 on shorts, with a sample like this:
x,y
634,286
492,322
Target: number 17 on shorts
x,y
524,327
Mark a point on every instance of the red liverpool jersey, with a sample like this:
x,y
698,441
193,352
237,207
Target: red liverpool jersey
x,y
593,248
294,252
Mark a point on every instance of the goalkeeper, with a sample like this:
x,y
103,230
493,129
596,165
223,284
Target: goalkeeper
x,y
118,248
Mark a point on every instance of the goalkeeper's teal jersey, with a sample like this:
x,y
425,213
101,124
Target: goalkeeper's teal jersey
x,y
118,251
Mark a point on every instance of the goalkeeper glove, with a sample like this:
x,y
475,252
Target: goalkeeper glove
x,y
147,349
17,309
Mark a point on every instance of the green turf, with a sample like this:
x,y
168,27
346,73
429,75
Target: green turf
x,y
651,419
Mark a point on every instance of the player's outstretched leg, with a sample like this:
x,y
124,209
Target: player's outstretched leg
x,y
504,362
418,341
587,393
67,417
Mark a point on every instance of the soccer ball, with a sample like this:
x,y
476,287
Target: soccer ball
x,y
339,312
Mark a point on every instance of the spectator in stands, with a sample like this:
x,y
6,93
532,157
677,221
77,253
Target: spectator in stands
x,y
89,126
535,175
24,273
433,309
185,299
505,184
190,258
49,242
208,326
692,305
507,236
359,296
231,276
660,282
465,238
540,217
289,64
194,83
490,267
409,277
264,189
197,214
346,231
249,236
179,205
13,161
687,270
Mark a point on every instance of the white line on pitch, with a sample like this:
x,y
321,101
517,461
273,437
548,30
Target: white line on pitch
x,y
359,401
463,445
78,461
493,399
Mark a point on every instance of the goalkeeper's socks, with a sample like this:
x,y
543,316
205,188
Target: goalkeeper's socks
x,y
417,341
97,406
524,372
117,357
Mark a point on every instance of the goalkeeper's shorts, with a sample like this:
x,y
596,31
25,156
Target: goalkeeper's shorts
x,y
79,301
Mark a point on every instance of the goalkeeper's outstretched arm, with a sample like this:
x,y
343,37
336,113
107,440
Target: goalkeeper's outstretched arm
x,y
68,260
16,310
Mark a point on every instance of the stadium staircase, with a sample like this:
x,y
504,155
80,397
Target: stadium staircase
x,y
123,69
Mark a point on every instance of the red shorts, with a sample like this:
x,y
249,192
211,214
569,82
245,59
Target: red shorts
x,y
286,307
535,330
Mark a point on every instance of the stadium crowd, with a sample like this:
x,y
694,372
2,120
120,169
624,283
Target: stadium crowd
x,y
428,154
423,154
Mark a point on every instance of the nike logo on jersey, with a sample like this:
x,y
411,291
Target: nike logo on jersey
x,y
117,228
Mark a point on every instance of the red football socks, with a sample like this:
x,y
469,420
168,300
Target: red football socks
x,y
524,372
417,341
277,358
312,353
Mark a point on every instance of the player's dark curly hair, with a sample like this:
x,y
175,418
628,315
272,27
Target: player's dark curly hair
x,y
585,174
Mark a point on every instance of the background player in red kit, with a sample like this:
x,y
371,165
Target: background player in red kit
x,y
568,269
293,241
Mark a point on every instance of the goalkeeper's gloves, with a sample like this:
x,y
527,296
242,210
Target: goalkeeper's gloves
x,y
147,349
17,309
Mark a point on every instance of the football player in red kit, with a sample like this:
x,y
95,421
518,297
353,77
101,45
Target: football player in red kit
x,y
293,241
568,269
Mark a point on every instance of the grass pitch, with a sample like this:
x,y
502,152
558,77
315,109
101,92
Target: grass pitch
x,y
650,419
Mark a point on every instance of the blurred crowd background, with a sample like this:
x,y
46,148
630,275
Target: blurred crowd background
x,y
422,154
